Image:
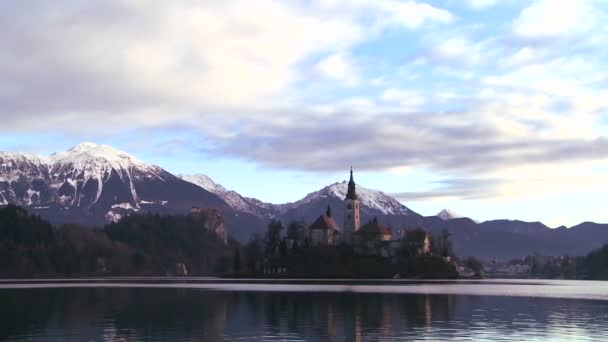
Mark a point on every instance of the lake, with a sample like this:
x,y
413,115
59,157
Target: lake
x,y
200,309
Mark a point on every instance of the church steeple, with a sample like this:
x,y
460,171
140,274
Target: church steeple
x,y
351,194
352,218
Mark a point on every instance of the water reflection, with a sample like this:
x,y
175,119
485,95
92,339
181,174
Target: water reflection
x,y
156,314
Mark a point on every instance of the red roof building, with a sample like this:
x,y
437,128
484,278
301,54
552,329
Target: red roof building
x,y
324,231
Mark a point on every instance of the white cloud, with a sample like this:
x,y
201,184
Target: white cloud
x,y
555,18
338,66
406,99
412,14
457,50
385,13
482,4
123,56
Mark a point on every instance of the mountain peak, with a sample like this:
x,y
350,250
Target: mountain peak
x,y
83,146
87,155
447,215
373,199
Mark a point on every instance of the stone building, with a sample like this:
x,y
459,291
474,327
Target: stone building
x,y
324,231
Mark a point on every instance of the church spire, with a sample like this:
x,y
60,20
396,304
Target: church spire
x,y
351,194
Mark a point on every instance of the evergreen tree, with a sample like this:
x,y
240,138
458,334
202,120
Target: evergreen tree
x,y
273,238
296,231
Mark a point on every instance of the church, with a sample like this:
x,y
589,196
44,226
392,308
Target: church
x,y
325,232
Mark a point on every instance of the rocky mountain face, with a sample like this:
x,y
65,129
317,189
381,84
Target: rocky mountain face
x,y
232,198
95,184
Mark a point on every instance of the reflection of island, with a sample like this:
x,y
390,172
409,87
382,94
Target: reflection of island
x,y
199,315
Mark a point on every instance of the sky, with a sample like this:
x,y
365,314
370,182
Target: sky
x,y
492,109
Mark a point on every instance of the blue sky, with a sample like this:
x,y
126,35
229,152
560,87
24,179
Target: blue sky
x,y
493,109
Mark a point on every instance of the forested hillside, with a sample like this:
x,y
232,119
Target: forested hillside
x,y
137,245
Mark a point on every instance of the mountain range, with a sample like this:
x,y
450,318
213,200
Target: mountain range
x,y
94,184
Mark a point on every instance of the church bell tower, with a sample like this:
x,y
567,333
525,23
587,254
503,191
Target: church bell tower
x,y
352,220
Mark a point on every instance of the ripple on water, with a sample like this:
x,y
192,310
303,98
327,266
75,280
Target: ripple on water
x,y
196,311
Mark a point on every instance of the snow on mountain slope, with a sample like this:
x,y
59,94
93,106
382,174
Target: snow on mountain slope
x,y
204,182
14,164
447,215
373,199
95,178
234,199
90,166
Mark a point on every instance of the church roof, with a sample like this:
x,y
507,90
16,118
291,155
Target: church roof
x,y
324,222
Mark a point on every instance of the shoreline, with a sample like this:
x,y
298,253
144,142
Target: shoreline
x,y
559,289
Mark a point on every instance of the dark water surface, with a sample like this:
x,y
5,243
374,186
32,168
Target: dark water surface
x,y
211,310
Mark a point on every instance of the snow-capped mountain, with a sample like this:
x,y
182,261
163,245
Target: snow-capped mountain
x,y
447,215
81,173
204,182
93,183
16,169
372,199
232,198
374,203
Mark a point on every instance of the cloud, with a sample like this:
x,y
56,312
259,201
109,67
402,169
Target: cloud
x,y
405,99
444,143
554,19
481,4
120,57
386,13
340,67
454,188
458,50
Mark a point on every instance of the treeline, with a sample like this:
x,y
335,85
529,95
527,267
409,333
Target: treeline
x,y
136,245
593,266
287,252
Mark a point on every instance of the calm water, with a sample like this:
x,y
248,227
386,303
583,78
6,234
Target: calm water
x,y
210,310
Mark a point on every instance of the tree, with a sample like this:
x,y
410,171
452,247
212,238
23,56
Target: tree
x,y
442,245
296,231
273,238
253,254
475,265
283,249
412,244
236,262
